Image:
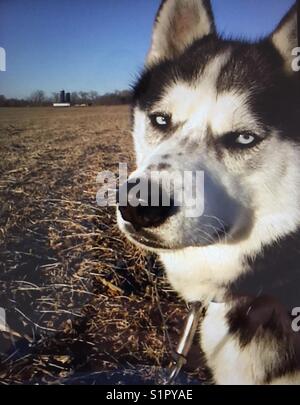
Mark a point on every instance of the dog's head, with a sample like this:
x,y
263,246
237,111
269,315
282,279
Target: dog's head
x,y
224,113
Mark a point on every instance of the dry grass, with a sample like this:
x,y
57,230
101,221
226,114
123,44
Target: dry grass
x,y
82,305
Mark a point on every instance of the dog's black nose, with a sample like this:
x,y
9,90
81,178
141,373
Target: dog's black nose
x,y
141,211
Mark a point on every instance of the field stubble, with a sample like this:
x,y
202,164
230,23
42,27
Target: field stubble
x,y
82,305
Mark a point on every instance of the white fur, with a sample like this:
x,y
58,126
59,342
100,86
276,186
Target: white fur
x,y
231,364
222,351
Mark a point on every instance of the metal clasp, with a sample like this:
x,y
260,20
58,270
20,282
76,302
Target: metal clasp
x,y
185,342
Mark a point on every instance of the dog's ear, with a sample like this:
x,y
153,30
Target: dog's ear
x,y
178,23
285,37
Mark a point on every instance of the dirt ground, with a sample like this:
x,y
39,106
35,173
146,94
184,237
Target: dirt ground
x,y
81,304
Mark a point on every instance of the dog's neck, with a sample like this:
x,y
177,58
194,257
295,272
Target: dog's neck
x,y
219,273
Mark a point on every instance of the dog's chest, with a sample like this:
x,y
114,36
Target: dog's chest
x,y
227,361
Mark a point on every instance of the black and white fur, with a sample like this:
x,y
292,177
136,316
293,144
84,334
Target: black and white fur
x,y
212,89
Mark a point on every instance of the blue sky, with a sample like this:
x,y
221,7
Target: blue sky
x,y
99,44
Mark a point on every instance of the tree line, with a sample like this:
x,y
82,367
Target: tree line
x,y
40,98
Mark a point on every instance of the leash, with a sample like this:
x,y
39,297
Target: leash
x,y
185,343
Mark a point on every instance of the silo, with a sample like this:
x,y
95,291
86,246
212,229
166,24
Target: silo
x,y
68,98
62,96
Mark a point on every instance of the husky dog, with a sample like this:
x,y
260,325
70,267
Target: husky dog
x,y
230,109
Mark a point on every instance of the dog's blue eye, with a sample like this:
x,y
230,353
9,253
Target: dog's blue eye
x,y
245,139
240,140
161,121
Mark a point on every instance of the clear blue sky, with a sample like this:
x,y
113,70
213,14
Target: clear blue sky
x,y
99,44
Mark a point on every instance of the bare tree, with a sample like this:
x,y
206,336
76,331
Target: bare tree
x,y
93,95
55,96
2,100
83,96
38,97
74,97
